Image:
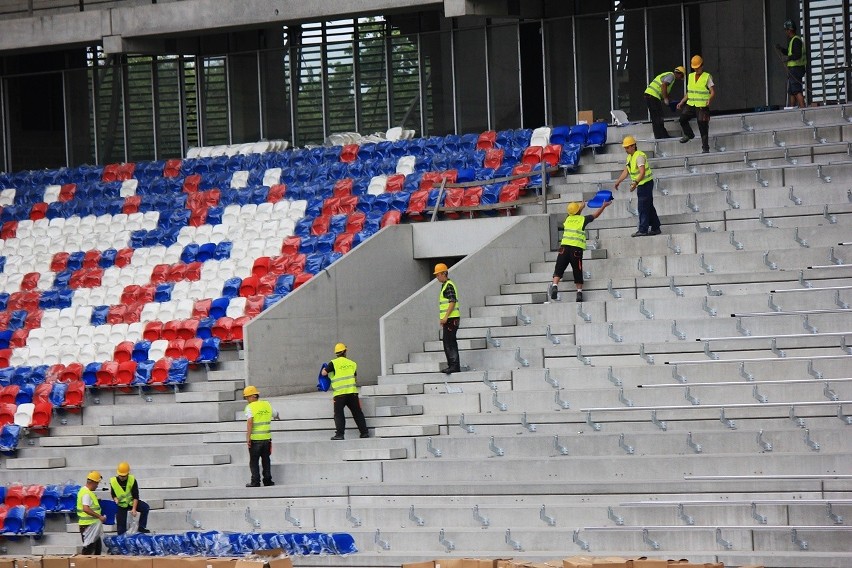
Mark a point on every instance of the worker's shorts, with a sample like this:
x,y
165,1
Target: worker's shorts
x,y
795,81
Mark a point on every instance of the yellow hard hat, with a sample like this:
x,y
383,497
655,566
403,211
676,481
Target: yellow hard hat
x,y
696,61
680,69
123,468
250,390
628,141
94,476
575,207
339,348
440,267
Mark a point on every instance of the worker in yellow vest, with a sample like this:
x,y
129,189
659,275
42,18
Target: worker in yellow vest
x,y
450,316
657,93
695,103
125,493
259,415
89,512
795,58
572,246
642,182
343,373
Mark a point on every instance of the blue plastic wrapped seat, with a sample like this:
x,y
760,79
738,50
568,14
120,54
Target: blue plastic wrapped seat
x,y
6,337
223,250
324,244
284,284
142,376
90,373
205,328
51,498
25,394
308,244
570,157
231,289
9,436
14,522
189,253
57,393
578,134
314,263
163,292
597,134
559,134
304,226
206,252
218,307
140,351
179,369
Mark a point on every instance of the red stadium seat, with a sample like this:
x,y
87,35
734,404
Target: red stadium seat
x,y
417,204
276,193
349,153
254,305
266,284
222,328
342,187
237,328
38,211
116,314
260,266
472,197
552,153
123,351
9,230
291,245
123,257
8,394
343,243
160,273
7,412
125,373
278,264
19,336
454,198
73,372
296,263
175,348
74,394
198,218
190,183
395,182
486,140
494,158
170,330
106,374
125,171
42,393
110,173
32,495
201,308
153,331
193,271
171,169
192,349
391,218
532,155
15,495
59,262
160,371
301,278
30,281
42,415
131,204
188,328
321,224
249,286
67,191
91,259
355,222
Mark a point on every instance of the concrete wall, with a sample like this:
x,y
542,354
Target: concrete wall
x,y
404,329
286,345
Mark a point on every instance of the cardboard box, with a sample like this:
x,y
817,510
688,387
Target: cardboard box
x,y
578,562
477,563
609,562
80,561
587,116
220,562
54,561
7,563
28,562
503,563
643,562
430,564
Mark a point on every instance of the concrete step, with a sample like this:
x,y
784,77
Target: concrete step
x,y
406,410
205,396
67,441
378,454
203,459
390,390
407,431
464,344
36,463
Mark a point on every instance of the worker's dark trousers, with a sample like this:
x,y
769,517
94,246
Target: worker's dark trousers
x,y
451,345
351,402
259,453
93,549
121,517
702,114
655,110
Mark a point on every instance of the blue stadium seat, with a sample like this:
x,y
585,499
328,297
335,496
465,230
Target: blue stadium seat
x,y
34,520
57,393
51,498
231,288
209,349
90,373
14,522
578,134
597,134
68,499
9,436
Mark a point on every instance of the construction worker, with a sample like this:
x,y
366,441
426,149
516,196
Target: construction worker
x,y
700,91
343,373
572,246
259,416
89,512
449,314
125,493
642,182
796,60
657,93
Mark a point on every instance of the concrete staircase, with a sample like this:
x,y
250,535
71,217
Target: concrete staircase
x,y
696,405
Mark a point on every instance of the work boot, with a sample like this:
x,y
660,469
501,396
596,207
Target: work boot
x,y
684,139
553,291
337,437
579,295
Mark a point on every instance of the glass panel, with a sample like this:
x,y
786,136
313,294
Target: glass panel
x,y
190,89
372,74
559,50
503,73
167,73
437,81
664,54
276,95
213,101
631,74
109,110
532,76
406,73
140,109
309,94
593,65
341,92
245,98
471,91
36,125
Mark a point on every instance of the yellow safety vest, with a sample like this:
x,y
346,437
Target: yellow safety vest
x,y
697,92
343,377
802,61
261,416
573,233
633,169
655,89
83,518
444,303
124,496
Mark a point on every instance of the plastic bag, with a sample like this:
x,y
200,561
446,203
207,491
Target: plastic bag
x,y
323,382
132,523
92,533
